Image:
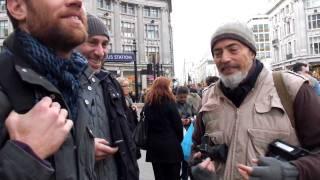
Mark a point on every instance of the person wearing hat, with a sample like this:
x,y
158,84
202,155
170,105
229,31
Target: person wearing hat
x,y
243,111
114,148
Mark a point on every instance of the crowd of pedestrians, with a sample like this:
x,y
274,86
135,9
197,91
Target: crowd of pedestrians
x,y
63,116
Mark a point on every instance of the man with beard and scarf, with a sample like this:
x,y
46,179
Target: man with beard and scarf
x,y
109,122
44,90
244,112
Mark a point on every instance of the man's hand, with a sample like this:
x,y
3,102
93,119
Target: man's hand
x,y
269,168
204,170
103,149
44,128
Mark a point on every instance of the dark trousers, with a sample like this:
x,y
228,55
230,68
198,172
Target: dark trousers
x,y
166,171
185,170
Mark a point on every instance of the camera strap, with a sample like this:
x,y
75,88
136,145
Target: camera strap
x,y
285,99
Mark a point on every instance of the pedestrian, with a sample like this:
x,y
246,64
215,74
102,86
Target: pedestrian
x,y
244,112
109,123
164,131
131,109
187,113
303,69
40,90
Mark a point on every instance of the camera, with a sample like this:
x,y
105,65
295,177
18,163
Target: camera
x,y
284,151
216,152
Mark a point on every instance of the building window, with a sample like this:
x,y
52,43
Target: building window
x,y
315,45
127,29
151,12
151,31
2,5
266,27
152,54
260,27
312,3
255,28
107,22
3,28
127,48
314,21
127,8
105,4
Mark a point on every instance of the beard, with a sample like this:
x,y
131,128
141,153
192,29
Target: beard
x,y
232,81
54,32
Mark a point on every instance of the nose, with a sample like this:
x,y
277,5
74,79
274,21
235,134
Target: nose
x,y
100,51
225,57
75,3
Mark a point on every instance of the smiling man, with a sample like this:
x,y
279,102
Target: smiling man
x,y
243,111
43,92
108,123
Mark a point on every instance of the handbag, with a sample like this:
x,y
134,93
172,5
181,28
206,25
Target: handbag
x,y
140,132
187,143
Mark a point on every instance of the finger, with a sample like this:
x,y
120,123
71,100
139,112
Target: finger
x,y
68,125
255,161
107,150
245,168
265,161
55,106
63,114
244,174
197,155
11,119
101,141
44,102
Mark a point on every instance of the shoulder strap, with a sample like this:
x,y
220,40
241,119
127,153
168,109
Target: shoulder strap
x,y
19,94
284,95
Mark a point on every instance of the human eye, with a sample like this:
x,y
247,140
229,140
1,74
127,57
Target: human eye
x,y
217,53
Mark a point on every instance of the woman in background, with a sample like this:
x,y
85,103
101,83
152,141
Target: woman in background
x,y
164,131
131,110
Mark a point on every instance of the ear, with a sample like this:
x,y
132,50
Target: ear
x,y
17,9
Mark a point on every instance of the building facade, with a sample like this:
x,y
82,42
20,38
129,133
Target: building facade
x,y
295,26
260,27
147,22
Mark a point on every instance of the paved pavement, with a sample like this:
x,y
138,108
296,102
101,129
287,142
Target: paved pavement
x,y
146,172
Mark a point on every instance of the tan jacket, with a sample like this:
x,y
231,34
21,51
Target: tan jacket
x,y
249,129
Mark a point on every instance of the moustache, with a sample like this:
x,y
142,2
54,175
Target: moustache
x,y
227,66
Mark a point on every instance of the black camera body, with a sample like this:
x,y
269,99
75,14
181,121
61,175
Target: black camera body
x,y
284,151
216,152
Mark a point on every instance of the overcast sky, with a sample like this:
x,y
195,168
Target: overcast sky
x,y
195,21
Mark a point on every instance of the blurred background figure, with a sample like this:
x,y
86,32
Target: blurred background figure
x,y
210,80
187,113
164,131
303,69
131,110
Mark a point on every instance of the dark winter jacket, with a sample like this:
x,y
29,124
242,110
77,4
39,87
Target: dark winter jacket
x,y
165,133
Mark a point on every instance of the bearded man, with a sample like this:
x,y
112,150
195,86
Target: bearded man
x,y
244,112
44,90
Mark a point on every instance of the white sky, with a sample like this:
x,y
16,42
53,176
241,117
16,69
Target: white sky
x,y
195,21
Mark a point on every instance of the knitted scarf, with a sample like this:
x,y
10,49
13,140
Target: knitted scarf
x,y
62,73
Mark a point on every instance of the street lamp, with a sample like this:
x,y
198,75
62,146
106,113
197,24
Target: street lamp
x,y
135,70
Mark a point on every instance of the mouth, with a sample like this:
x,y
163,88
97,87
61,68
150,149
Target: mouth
x,y
75,18
228,69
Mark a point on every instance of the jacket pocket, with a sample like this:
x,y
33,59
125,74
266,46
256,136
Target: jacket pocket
x,y
259,139
270,114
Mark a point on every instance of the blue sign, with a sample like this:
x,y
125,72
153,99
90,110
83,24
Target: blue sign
x,y
120,57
